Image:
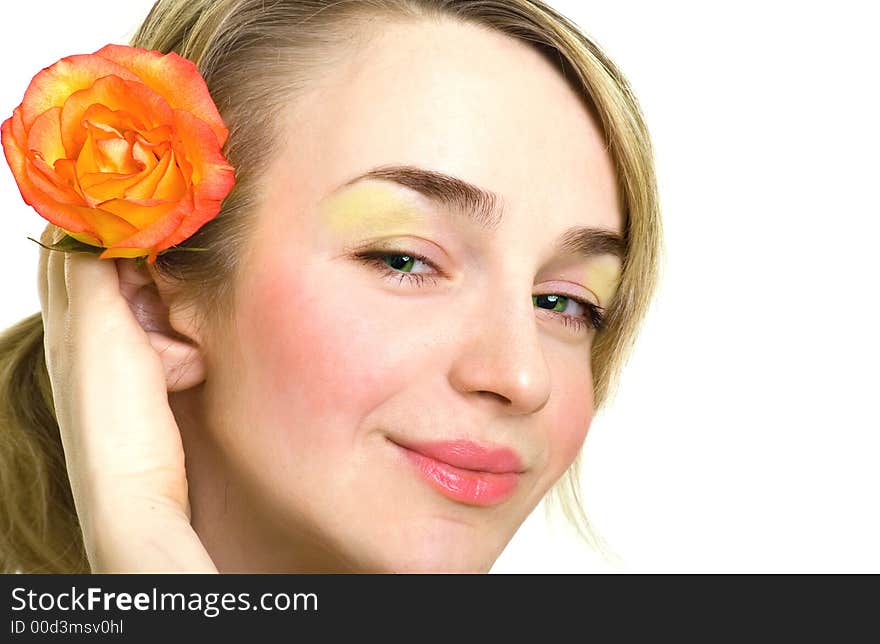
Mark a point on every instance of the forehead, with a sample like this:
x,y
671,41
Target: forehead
x,y
465,101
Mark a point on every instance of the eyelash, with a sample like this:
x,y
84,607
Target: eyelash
x,y
374,258
594,317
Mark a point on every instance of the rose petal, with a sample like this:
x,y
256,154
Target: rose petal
x,y
149,155
99,177
145,216
145,188
65,209
44,136
42,156
65,169
212,176
133,134
54,185
81,219
111,156
177,79
146,107
172,184
154,237
106,123
85,238
116,156
187,226
159,136
106,226
53,85
87,161
63,216
125,252
100,187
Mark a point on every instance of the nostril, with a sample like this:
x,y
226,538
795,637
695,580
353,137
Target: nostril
x,y
492,394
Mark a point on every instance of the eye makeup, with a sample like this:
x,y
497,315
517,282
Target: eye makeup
x,y
591,317
366,207
369,208
601,277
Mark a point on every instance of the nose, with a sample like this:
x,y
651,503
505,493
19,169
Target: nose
x,y
500,356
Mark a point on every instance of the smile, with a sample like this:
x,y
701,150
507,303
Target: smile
x,y
465,472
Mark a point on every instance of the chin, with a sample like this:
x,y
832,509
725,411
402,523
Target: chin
x,y
434,547
441,560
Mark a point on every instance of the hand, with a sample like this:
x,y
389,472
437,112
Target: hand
x,y
122,446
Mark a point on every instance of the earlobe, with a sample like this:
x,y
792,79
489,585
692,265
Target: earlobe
x,y
148,297
182,360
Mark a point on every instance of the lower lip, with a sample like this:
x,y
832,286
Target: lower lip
x,y
467,486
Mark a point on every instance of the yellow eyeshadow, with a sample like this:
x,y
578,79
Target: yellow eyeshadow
x,y
367,206
603,277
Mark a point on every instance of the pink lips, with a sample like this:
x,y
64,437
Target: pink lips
x,y
465,471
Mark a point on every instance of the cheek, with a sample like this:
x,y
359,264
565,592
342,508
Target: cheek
x,y
570,415
319,353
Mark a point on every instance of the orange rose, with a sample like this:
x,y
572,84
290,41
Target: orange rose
x,y
121,149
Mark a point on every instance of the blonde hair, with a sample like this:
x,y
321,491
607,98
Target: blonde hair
x,y
253,52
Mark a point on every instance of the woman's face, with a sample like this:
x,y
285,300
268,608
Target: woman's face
x,y
395,397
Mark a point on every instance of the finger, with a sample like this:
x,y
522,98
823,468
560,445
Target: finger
x,y
42,277
57,291
92,285
54,311
49,236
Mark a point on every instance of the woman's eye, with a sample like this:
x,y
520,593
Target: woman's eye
x,y
575,313
403,263
399,265
557,303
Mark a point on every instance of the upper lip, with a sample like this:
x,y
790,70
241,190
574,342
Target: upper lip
x,y
468,455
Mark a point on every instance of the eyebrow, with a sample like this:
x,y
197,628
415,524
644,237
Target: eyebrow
x,y
485,208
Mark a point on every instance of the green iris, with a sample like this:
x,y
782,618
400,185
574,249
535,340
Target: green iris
x,y
555,302
394,261
404,264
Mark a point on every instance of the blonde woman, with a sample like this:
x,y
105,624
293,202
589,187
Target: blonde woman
x,y
442,237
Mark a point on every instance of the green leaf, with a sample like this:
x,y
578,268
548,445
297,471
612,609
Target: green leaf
x,y
68,244
177,248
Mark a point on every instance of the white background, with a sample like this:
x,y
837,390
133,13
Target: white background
x,y
744,436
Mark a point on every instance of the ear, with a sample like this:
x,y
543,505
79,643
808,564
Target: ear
x,y
173,339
